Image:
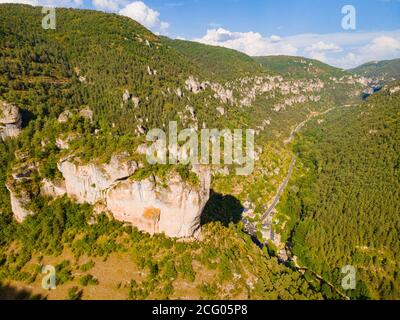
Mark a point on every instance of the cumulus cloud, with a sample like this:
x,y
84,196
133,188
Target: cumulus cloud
x,y
320,49
136,10
251,43
140,12
31,2
275,38
322,46
382,47
108,5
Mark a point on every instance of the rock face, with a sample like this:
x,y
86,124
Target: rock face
x,y
62,142
18,203
86,113
10,120
53,189
64,116
88,183
174,210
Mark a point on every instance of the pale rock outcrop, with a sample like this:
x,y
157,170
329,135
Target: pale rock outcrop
x,y
19,202
151,72
54,189
125,96
221,110
174,211
394,90
87,183
193,85
136,101
179,92
62,142
20,189
142,149
86,113
140,130
10,120
190,109
225,95
151,206
64,116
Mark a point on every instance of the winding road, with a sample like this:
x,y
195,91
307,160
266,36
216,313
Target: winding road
x,y
280,190
292,163
250,227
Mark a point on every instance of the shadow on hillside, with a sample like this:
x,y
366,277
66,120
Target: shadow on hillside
x,y
8,292
27,116
225,209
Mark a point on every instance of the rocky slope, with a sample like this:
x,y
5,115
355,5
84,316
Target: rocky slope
x,y
380,72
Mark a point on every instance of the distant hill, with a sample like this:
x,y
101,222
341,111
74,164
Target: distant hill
x,y
383,71
218,62
299,67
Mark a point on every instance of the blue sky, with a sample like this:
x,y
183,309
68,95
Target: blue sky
x,y
191,18
311,28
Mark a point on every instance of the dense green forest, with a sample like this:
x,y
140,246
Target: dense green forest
x,y
344,203
218,62
299,67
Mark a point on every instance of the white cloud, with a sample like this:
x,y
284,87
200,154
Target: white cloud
x,y
140,12
53,3
136,10
275,38
251,43
108,5
381,47
320,49
322,46
31,2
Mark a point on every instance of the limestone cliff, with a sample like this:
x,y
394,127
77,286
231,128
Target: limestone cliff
x,y
173,207
88,183
19,202
174,210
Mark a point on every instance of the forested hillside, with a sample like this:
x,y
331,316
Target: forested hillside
x,y
383,71
218,62
299,67
344,202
